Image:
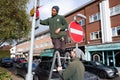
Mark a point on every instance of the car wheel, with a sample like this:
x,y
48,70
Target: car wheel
x,y
102,75
35,77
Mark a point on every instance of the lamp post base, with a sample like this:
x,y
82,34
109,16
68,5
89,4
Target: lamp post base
x,y
29,77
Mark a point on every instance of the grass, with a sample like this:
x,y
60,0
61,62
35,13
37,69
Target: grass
x,y
5,74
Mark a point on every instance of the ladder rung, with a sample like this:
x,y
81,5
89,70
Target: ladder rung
x,y
55,79
54,70
64,57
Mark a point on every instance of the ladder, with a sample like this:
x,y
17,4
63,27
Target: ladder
x,y
58,57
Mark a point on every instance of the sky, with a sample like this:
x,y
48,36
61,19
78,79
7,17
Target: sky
x,y
45,11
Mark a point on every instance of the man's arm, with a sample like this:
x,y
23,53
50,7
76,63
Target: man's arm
x,y
44,22
68,72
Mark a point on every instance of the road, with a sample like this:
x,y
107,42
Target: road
x,y
14,77
17,77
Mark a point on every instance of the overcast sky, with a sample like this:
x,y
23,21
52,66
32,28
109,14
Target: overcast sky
x,y
45,11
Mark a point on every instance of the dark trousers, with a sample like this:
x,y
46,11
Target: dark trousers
x,y
59,44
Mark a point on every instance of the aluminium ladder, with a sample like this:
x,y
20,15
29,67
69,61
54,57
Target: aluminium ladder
x,y
57,56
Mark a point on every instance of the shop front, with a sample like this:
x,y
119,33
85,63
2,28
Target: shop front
x,y
108,54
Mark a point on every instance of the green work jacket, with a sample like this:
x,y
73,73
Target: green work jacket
x,y
54,23
74,71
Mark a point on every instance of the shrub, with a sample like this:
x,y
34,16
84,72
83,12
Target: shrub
x,y
5,74
4,53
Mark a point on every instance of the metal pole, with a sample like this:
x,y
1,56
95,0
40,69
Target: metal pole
x,y
76,45
29,75
76,48
75,19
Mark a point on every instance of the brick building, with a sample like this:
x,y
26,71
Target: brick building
x,y
102,31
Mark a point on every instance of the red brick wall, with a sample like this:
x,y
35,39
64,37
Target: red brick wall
x,y
89,10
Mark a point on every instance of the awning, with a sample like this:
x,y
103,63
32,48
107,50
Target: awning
x,y
46,54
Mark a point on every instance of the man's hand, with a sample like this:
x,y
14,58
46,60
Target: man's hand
x,y
59,68
57,30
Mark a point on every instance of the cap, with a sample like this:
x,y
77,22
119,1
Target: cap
x,y
56,7
77,52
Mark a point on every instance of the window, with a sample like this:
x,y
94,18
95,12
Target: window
x,y
113,32
41,45
12,49
82,22
94,17
36,46
116,31
115,10
96,57
95,35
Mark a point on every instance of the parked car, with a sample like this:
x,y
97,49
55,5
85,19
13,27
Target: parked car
x,y
20,60
22,68
103,71
42,72
6,62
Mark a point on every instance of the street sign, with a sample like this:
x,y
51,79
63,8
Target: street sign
x,y
76,32
32,11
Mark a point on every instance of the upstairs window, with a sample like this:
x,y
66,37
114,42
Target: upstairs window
x,y
116,31
94,17
115,10
82,22
95,35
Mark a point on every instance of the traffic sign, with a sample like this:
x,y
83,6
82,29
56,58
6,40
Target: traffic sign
x,y
76,32
32,11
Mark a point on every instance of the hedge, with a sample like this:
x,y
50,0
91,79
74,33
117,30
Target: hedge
x,y
4,53
5,74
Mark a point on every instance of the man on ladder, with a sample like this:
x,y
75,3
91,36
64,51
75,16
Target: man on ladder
x,y
57,25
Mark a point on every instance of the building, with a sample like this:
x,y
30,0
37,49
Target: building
x,y
42,41
101,32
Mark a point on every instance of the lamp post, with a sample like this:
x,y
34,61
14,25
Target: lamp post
x,y
29,75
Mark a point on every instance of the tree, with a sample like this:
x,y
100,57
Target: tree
x,y
14,20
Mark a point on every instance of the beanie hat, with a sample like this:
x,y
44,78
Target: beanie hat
x,y
56,8
77,52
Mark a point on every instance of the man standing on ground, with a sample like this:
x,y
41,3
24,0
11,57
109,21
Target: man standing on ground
x,y
57,25
75,69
